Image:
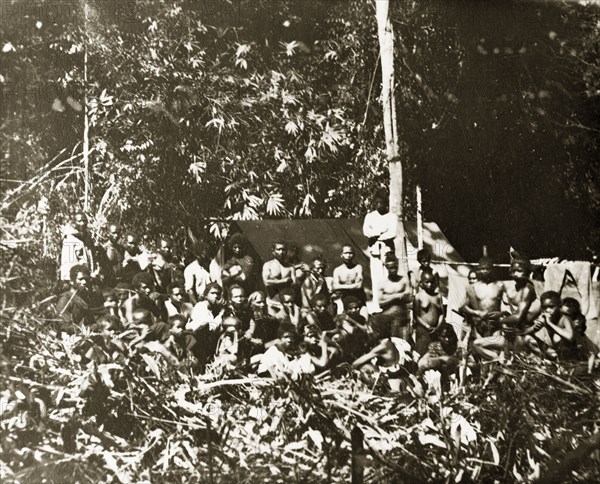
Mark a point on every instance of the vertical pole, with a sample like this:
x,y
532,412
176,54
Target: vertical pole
x,y
211,477
419,217
385,33
86,123
358,452
484,251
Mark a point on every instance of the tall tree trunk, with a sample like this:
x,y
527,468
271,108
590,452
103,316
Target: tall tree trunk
x,y
385,32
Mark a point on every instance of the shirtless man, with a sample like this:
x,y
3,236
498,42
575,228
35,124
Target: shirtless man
x,y
348,277
275,274
428,311
395,297
315,282
482,303
519,296
552,332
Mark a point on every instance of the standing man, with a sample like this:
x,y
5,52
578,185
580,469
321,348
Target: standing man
x,y
380,228
483,302
395,296
314,283
239,268
348,277
276,274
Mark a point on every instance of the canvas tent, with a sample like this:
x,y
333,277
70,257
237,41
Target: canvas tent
x,y
326,237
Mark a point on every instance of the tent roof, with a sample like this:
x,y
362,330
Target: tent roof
x,y
326,237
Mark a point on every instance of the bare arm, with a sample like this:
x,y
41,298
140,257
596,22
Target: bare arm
x,y
565,331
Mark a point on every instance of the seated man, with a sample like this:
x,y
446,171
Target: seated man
x,y
319,314
278,360
162,273
286,311
80,304
441,354
238,307
176,305
206,321
239,268
428,311
232,347
266,327
352,331
393,357
519,296
321,349
314,283
276,274
394,298
552,332
348,277
144,297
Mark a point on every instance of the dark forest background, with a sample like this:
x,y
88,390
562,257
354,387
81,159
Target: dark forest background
x,y
206,111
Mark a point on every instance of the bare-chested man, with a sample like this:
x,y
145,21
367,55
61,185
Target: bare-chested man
x,y
395,296
348,277
519,296
276,275
483,302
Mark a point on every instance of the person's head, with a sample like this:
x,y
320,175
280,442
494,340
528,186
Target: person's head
x,y
381,201
80,221
570,307
352,305
143,283
257,301
289,339
347,254
111,300
159,261
176,293
520,269
165,245
318,266
550,303
391,264
213,293
141,316
123,290
278,250
424,258
114,233
448,338
428,281
237,295
200,251
237,245
484,269
132,244
231,324
472,277
319,303
312,334
286,297
80,277
177,324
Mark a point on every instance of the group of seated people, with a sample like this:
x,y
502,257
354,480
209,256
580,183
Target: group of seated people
x,y
290,319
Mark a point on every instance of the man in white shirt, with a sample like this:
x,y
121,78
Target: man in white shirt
x,y
380,228
195,276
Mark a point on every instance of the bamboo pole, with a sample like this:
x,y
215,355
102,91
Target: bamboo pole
x,y
86,121
419,217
